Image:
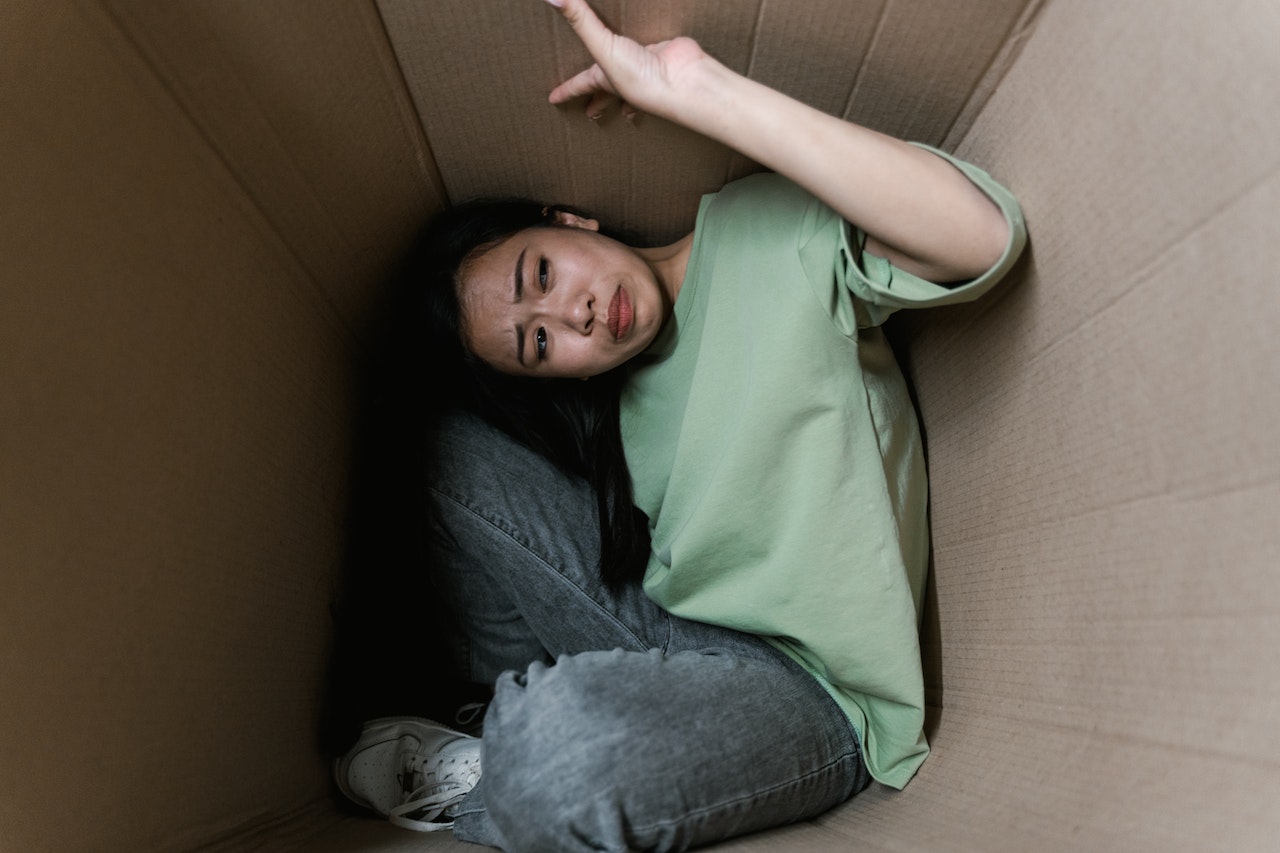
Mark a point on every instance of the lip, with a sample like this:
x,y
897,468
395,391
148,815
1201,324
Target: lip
x,y
621,314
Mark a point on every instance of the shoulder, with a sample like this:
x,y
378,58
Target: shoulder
x,y
762,187
763,202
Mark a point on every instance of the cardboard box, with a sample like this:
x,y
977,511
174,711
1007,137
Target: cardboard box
x,y
200,203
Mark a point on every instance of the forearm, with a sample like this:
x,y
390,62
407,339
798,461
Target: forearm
x,y
917,209
915,205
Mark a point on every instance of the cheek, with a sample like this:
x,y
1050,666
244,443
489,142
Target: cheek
x,y
577,351
649,313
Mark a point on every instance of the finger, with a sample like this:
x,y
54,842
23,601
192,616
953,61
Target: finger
x,y
599,102
583,83
590,29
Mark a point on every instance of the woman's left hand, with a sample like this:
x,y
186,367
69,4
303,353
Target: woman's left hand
x,y
648,78
917,209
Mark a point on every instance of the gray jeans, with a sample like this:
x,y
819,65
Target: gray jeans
x,y
614,725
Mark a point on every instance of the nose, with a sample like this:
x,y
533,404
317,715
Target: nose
x,y
579,311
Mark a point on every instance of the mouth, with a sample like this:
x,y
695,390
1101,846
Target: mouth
x,y
621,314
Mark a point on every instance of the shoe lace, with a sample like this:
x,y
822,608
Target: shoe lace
x,y
432,785
468,716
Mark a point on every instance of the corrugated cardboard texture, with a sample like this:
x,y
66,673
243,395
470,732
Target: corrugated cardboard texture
x,y
174,408
480,74
304,105
1103,459
199,202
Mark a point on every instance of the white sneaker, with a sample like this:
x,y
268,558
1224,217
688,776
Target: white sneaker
x,y
411,770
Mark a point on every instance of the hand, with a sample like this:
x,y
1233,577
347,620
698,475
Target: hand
x,y
639,77
917,209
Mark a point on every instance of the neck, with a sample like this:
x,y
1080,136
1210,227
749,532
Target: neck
x,y
669,263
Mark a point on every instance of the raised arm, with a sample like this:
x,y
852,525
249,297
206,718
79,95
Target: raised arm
x,y
917,209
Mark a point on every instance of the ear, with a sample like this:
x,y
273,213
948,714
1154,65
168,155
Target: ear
x,y
573,220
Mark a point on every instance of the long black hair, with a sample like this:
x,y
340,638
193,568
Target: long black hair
x,y
572,423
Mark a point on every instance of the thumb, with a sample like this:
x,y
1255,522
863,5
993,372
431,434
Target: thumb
x,y
595,36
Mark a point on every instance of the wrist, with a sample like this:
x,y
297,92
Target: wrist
x,y
702,95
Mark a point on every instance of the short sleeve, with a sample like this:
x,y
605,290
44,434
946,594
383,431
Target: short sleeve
x,y
880,288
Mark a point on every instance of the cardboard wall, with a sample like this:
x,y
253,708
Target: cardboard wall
x,y
186,249
199,203
479,75
1103,456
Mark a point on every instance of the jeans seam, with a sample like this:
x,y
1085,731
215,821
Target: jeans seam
x,y
856,753
505,527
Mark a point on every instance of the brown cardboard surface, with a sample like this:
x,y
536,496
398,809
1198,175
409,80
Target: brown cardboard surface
x,y
1105,480
493,133
175,394
304,105
199,200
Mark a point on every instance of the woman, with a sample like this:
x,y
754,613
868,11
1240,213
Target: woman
x,y
740,394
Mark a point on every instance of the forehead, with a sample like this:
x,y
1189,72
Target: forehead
x,y
483,262
489,272
486,289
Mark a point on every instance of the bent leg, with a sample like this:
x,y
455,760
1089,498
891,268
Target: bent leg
x,y
648,731
640,750
518,560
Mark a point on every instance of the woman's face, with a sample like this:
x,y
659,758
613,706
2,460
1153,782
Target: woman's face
x,y
560,302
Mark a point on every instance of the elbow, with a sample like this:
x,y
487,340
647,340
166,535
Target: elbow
x,y
970,248
995,239
988,242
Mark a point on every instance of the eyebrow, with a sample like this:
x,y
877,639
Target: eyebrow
x,y
520,276
519,294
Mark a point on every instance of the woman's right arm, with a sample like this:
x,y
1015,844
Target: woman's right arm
x,y
917,209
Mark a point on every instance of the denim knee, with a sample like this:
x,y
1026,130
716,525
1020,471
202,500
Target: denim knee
x,y
643,750
564,756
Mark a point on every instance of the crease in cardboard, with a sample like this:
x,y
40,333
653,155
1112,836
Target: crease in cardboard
x,y
856,84
737,165
754,39
263,224
555,36
627,26
195,118
1161,257
406,105
1002,61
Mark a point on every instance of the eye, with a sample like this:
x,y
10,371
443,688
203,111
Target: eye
x,y
540,340
542,274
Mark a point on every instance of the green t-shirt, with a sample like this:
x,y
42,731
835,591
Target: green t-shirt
x,y
775,451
